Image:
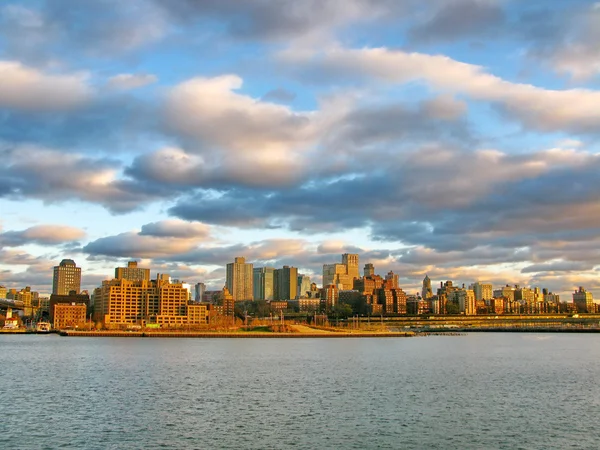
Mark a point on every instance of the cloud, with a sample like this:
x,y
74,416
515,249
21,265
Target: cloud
x,y
52,176
155,240
70,29
28,89
252,140
131,81
456,19
176,229
41,235
565,39
572,110
279,95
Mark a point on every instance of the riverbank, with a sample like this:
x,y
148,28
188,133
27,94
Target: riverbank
x,y
235,334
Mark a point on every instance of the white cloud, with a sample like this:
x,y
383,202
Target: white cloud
x,y
41,234
29,89
537,108
131,81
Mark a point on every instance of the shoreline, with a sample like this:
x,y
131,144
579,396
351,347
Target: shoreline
x,y
232,335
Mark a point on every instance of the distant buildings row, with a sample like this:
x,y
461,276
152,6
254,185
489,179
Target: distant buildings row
x,y
133,298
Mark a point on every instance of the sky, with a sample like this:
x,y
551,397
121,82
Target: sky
x,y
454,138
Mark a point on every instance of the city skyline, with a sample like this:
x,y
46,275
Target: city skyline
x,y
453,140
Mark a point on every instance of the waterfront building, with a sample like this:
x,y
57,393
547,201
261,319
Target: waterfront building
x,y
69,315
584,301
416,305
263,283
329,297
426,291
310,305
67,278
69,299
465,299
508,292
285,283
3,292
123,302
483,291
132,272
227,302
239,279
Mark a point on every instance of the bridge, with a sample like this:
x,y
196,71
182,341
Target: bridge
x,y
7,303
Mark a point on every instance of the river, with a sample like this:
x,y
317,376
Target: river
x,y
479,391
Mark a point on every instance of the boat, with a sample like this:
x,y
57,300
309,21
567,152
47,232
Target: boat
x,y
42,327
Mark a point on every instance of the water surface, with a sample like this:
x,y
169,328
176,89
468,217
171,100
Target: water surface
x,y
488,390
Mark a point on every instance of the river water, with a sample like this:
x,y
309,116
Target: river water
x,y
479,391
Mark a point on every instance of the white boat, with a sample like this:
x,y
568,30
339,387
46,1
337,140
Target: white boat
x,y
42,327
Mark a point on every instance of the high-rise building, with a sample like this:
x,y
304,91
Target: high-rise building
x,y
67,278
263,283
132,272
350,260
286,283
3,292
303,285
369,270
239,279
199,290
342,275
584,301
391,280
427,291
483,291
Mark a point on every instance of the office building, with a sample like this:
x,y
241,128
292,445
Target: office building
x,y
67,278
286,283
263,283
303,286
342,275
132,272
483,291
584,301
426,292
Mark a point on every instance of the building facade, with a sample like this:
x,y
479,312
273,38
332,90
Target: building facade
x,y
239,280
67,278
263,283
132,272
286,283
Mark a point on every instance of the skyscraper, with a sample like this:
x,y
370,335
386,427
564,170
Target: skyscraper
x,y
286,283
369,270
350,260
132,272
342,275
67,277
303,285
239,279
263,283
427,292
